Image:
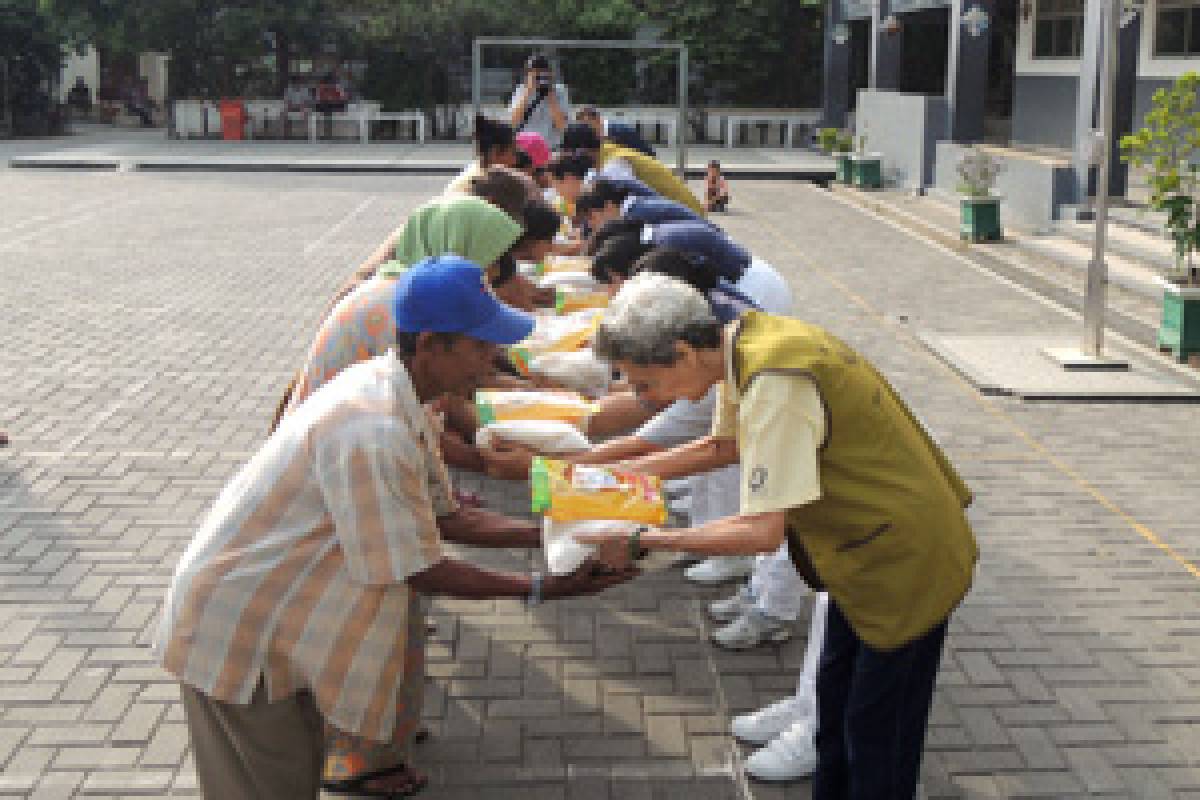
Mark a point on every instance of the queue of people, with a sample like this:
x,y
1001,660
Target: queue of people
x,y
295,622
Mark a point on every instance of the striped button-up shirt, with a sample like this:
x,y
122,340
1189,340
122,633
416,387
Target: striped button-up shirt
x,y
298,573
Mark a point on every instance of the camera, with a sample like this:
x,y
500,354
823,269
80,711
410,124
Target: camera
x,y
544,84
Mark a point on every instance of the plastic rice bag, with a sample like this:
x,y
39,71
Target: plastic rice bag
x,y
575,492
569,300
581,281
566,264
579,370
554,334
549,437
494,405
564,554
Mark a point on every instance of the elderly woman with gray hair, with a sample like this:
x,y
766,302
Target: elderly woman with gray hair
x,y
835,464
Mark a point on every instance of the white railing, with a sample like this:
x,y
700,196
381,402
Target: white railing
x,y
200,118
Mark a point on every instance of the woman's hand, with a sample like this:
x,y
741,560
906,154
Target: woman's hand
x,y
647,539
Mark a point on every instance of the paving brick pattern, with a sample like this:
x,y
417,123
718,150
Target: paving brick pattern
x,y
150,322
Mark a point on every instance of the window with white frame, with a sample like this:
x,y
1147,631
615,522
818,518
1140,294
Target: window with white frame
x,y
1177,28
1058,29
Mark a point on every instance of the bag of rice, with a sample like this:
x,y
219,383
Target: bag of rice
x,y
575,492
566,264
553,334
568,301
564,554
581,281
578,370
493,405
549,437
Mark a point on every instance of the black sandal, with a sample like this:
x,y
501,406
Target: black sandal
x,y
358,784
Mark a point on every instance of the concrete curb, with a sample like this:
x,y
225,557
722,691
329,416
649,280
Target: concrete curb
x,y
776,173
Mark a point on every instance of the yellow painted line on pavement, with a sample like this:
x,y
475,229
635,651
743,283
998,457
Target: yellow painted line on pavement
x,y
1066,469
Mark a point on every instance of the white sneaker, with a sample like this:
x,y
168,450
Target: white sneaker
x,y
720,569
760,727
790,756
732,607
750,630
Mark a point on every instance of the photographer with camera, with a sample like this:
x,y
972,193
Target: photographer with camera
x,y
539,104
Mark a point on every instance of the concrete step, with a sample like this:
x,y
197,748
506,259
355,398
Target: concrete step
x,y
1073,250
1140,218
1151,249
1053,266
1129,274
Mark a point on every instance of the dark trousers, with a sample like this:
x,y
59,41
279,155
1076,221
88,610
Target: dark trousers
x,y
872,712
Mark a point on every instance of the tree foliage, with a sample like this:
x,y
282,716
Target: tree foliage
x,y
31,51
748,51
1168,148
752,52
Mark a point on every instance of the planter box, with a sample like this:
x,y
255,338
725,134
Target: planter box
x,y
845,168
867,171
1180,329
980,219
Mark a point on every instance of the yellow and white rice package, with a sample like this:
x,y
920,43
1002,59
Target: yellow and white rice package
x,y
578,370
546,437
568,301
564,554
495,405
557,263
568,492
577,281
555,334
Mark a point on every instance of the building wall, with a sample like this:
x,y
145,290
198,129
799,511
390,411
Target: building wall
x,y
153,67
1045,90
1043,110
902,129
86,65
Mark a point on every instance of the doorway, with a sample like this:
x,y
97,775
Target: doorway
x,y
926,50
1002,62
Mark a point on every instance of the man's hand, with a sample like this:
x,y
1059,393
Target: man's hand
x,y
507,460
590,578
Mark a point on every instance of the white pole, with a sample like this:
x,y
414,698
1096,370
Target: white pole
x,y
1097,277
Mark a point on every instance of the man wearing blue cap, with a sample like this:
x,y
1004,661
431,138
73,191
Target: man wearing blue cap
x,y
297,603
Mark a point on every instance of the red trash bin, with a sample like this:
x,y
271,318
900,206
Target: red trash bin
x,y
233,120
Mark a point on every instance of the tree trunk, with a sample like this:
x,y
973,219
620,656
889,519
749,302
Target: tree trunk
x,y
282,72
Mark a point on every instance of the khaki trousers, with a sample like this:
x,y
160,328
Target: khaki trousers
x,y
260,751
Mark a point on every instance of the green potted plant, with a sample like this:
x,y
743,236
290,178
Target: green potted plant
x,y
838,143
979,209
867,167
1168,148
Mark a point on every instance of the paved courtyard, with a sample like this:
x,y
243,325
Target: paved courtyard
x,y
150,321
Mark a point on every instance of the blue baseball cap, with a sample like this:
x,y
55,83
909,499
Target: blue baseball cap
x,y
447,294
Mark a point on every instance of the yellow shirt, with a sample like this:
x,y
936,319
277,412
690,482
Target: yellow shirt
x,y
779,424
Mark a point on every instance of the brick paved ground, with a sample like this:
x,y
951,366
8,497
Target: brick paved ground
x,y
149,323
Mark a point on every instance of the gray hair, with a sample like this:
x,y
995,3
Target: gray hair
x,y
649,316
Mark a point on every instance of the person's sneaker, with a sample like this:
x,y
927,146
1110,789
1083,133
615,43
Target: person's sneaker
x,y
790,756
760,727
732,607
750,630
720,569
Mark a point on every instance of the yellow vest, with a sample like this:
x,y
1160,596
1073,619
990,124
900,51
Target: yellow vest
x,y
888,538
653,173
